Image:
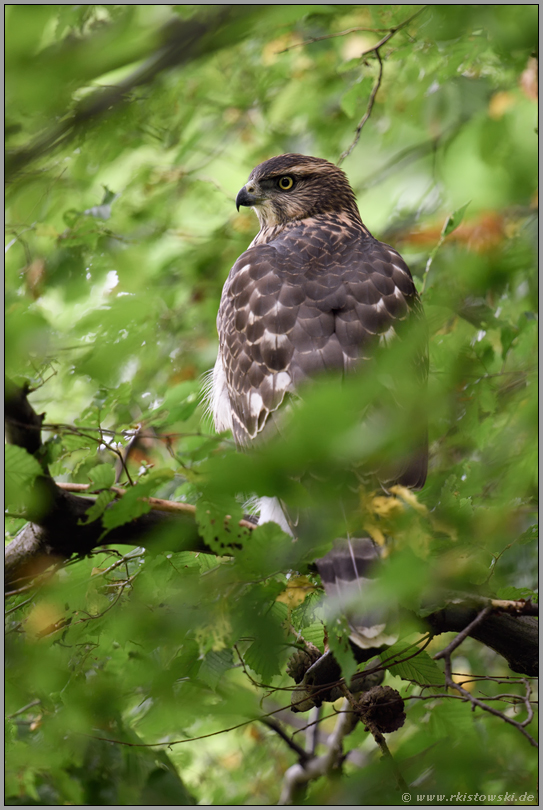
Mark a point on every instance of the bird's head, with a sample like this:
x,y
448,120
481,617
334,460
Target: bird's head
x,y
294,187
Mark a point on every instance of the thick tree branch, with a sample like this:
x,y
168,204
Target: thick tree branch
x,y
23,424
516,638
58,527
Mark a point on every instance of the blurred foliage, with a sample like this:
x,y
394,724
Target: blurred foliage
x,y
120,234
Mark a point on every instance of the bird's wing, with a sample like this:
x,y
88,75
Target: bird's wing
x,y
319,298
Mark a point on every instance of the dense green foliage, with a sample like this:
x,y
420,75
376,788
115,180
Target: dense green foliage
x,y
121,231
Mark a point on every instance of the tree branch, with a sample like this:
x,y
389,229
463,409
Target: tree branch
x,y
300,774
58,529
156,504
302,755
516,638
183,42
375,89
479,621
365,117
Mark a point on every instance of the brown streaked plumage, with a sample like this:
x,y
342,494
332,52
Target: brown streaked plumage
x,y
314,292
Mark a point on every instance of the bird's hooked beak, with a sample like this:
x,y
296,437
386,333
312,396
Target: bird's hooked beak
x,y
246,196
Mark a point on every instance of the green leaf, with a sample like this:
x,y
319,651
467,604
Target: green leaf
x,y
214,665
449,719
266,550
308,612
97,509
21,470
354,100
72,442
531,535
516,594
133,504
453,220
350,64
113,323
218,524
405,662
314,634
20,466
102,476
181,401
508,334
130,506
263,658
338,641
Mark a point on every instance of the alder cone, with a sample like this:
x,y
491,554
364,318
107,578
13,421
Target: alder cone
x,y
300,662
383,707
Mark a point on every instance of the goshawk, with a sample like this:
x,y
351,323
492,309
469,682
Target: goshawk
x,y
313,292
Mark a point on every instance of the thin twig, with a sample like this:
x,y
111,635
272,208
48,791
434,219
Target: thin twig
x,y
126,453
446,655
187,739
332,36
476,702
131,556
19,606
303,756
382,743
390,33
457,641
24,709
365,117
528,703
91,616
375,49
518,698
125,434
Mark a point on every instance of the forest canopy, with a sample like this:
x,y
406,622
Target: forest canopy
x,y
148,642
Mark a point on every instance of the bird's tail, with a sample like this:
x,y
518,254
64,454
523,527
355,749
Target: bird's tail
x,y
348,573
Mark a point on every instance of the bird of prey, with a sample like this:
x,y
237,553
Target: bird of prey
x,y
313,292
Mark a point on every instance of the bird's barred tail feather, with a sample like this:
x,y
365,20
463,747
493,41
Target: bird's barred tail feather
x,y
348,573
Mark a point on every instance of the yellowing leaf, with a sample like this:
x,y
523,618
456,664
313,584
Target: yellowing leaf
x,y
43,616
296,591
375,533
500,103
387,507
409,497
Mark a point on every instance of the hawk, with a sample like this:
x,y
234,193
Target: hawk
x,y
313,292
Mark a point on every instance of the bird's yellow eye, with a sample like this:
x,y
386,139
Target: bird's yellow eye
x,y
285,183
